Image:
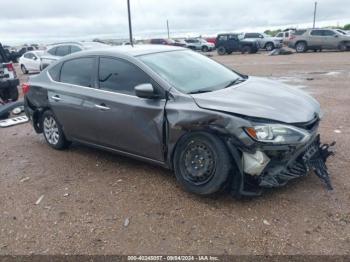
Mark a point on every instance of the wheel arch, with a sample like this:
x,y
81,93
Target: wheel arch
x,y
235,182
269,42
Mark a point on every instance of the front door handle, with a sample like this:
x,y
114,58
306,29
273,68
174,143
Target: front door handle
x,y
102,107
56,98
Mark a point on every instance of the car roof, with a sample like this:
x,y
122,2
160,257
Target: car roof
x,y
136,50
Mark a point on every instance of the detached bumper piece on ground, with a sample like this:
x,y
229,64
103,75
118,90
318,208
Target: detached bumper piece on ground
x,y
279,172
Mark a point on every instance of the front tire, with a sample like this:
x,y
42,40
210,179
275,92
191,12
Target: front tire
x,y
205,49
53,132
343,47
246,49
202,163
269,47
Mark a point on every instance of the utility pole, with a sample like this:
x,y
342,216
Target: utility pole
x,y
315,10
130,26
167,26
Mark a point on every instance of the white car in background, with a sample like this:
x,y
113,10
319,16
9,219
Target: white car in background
x,y
57,51
30,61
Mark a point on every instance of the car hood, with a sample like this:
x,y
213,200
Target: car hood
x,y
262,98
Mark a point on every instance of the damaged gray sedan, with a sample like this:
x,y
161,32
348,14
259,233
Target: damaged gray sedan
x,y
215,128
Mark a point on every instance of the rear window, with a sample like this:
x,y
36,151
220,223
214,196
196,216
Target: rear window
x,y
78,71
299,32
52,51
54,72
63,50
316,32
74,49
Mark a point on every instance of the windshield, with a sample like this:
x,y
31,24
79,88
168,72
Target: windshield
x,y
190,72
342,32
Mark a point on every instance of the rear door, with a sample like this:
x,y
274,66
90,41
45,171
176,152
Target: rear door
x,y
127,122
316,38
72,98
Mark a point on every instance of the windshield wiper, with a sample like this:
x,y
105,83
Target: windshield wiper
x,y
235,82
200,92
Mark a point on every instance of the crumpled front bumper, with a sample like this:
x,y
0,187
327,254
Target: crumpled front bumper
x,y
311,157
285,163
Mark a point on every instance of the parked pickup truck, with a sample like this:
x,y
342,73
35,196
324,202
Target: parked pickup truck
x,y
8,79
228,43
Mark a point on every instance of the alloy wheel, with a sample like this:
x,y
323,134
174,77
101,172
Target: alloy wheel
x,y
51,130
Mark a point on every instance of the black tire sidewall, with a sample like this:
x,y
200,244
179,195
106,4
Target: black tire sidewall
x,y
221,50
62,142
222,160
24,69
304,47
205,49
342,47
270,45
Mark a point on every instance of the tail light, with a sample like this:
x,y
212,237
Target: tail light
x,y
10,68
25,88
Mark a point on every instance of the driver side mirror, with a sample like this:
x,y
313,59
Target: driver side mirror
x,y
146,91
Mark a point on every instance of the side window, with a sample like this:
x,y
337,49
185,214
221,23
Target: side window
x,y
74,49
287,34
52,51
54,72
27,55
62,50
78,71
223,38
233,37
120,76
281,35
316,32
328,33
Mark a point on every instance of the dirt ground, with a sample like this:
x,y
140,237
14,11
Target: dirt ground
x,y
99,203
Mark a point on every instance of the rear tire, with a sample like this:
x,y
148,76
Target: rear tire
x,y
53,131
301,47
202,163
221,50
24,70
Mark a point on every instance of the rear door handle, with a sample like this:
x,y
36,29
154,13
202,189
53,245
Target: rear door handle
x,y
102,107
56,98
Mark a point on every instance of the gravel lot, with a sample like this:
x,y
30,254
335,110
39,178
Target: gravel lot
x,y
99,203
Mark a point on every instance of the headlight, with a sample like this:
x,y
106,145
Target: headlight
x,y
277,134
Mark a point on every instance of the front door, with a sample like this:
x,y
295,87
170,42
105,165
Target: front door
x,y
127,122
